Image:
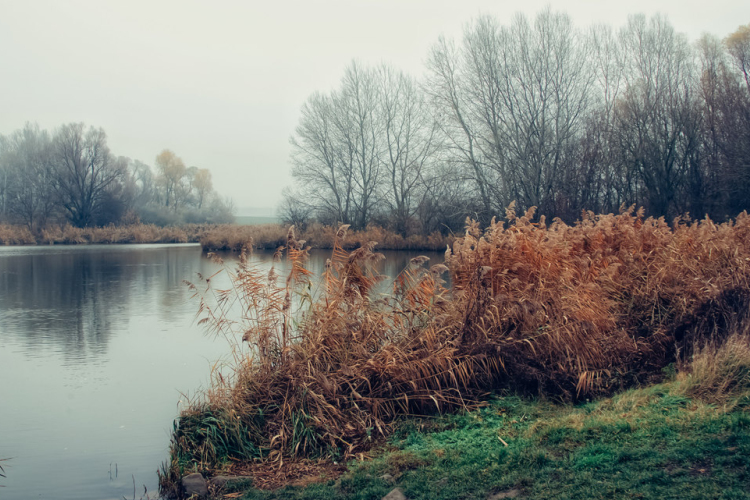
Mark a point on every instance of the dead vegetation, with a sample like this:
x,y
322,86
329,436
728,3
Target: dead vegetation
x,y
564,311
71,235
217,237
271,236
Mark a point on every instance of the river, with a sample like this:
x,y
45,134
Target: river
x,y
98,348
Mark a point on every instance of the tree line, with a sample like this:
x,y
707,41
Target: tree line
x,y
70,175
538,112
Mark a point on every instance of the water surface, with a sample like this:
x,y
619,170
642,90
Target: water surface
x,y
98,348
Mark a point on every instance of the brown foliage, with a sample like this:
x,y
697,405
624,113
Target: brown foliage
x,y
71,235
585,308
567,311
229,237
15,235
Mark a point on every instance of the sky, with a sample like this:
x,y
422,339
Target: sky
x,y
221,83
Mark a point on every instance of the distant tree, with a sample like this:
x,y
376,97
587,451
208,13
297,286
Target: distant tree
x,y
85,174
25,165
320,163
725,101
356,105
294,210
143,183
201,183
515,99
172,173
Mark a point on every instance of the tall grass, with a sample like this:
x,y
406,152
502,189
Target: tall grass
x,y
15,235
272,236
718,372
70,235
217,237
565,311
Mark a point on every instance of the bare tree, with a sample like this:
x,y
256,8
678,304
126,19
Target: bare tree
x,y
322,164
359,128
410,144
738,45
726,126
658,120
336,149
294,209
143,181
448,90
515,98
85,173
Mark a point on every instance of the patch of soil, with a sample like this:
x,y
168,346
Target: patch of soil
x,y
701,468
271,476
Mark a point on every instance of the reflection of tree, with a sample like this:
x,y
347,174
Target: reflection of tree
x,y
76,299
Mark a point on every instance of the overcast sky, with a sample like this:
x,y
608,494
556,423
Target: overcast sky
x,y
221,83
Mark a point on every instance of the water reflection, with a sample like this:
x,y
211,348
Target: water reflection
x,y
97,347
72,300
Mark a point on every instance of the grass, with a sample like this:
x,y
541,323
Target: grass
x,y
644,443
563,313
655,442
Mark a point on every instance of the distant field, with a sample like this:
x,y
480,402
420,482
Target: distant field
x,y
255,221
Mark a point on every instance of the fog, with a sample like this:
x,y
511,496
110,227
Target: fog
x,y
222,84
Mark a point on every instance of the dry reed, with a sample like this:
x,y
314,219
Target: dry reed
x,y
272,236
566,311
70,235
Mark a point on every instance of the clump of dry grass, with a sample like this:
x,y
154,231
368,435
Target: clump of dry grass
x,y
229,237
588,308
215,238
234,238
15,235
70,235
135,233
320,236
568,311
719,372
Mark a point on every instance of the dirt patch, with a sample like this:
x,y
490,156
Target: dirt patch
x,y
271,476
701,468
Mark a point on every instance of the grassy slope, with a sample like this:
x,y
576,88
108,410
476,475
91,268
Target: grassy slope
x,y
645,443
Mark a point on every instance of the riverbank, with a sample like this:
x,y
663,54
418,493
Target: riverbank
x,y
663,441
561,313
11,235
273,236
218,238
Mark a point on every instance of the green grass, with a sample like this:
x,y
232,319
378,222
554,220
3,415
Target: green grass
x,y
644,443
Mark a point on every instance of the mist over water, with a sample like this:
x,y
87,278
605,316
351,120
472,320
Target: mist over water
x,y
98,346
